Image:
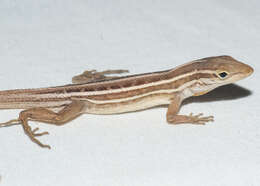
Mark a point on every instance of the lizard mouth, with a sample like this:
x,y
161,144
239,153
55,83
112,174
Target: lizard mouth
x,y
246,71
241,75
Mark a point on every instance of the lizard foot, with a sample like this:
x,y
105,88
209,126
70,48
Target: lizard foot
x,y
198,119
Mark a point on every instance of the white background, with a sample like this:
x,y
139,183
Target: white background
x,y
45,43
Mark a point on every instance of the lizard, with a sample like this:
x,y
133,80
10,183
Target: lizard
x,y
100,93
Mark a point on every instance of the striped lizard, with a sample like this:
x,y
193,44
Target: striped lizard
x,y
95,93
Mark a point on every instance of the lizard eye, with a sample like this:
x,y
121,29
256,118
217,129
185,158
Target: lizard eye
x,y
223,75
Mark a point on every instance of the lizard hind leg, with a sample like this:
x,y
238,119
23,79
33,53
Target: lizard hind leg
x,y
27,129
68,113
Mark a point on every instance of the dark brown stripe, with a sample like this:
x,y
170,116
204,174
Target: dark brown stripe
x,y
167,86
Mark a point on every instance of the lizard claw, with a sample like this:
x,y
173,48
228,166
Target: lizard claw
x,y
38,134
198,119
31,133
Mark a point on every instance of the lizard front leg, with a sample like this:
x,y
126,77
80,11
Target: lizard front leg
x,y
69,112
92,76
174,118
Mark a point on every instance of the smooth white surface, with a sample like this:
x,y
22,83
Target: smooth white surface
x,y
45,43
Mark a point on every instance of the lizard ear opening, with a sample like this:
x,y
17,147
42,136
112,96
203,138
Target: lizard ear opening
x,y
223,75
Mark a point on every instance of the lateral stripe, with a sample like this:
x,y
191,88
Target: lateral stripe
x,y
143,95
103,92
84,95
144,85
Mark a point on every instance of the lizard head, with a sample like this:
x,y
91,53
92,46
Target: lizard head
x,y
212,72
226,69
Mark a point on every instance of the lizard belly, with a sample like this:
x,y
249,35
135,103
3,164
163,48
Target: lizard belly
x,y
129,105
